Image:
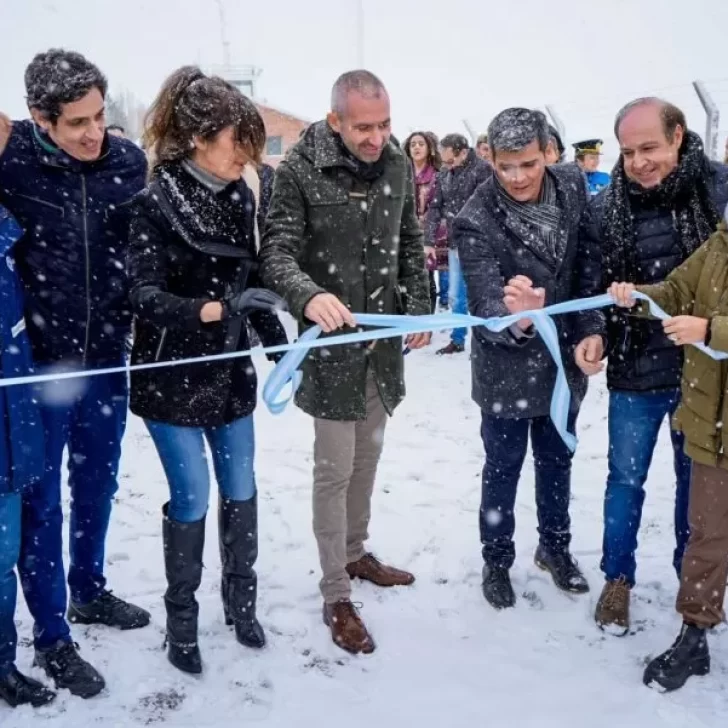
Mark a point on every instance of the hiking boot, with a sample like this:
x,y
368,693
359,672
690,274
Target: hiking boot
x,y
497,587
612,612
17,689
111,611
688,656
564,570
347,629
69,670
370,568
451,348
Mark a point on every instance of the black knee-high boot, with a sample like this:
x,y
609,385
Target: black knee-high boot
x,y
238,526
183,546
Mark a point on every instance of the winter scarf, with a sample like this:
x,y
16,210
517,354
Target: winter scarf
x,y
424,182
206,214
537,225
685,191
365,171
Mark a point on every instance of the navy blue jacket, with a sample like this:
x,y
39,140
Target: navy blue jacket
x,y
641,358
21,431
72,256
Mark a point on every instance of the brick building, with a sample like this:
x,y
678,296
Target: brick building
x,y
283,130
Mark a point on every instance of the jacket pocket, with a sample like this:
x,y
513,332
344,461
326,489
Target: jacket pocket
x,y
160,346
120,208
39,201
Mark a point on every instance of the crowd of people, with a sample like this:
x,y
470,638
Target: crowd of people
x,y
192,246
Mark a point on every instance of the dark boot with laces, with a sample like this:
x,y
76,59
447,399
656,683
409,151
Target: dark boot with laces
x,y
109,610
451,348
17,689
69,671
563,568
688,656
497,587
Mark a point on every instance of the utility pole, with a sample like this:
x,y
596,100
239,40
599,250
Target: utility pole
x,y
360,33
712,119
223,34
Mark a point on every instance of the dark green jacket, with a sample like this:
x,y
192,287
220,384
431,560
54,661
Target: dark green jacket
x,y
329,231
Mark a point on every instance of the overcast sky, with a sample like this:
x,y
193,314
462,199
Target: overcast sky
x,y
442,61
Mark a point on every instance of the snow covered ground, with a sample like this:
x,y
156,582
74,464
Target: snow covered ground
x,y
444,657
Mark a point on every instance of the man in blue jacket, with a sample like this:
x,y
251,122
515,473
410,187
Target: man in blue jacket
x,y
69,184
21,464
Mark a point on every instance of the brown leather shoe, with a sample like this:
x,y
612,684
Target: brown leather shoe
x,y
347,629
370,568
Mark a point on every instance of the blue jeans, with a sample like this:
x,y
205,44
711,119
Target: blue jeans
x,y
506,442
443,279
10,505
91,422
458,294
634,424
182,452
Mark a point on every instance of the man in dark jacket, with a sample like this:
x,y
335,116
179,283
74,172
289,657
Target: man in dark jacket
x,y
69,183
342,236
664,200
21,463
520,229
454,186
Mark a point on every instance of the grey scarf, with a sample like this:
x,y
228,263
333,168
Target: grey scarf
x,y
537,225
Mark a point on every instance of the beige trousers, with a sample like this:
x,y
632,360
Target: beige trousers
x,y
346,455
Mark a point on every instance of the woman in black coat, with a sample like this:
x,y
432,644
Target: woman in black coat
x,y
193,277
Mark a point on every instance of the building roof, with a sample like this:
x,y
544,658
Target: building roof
x,y
282,112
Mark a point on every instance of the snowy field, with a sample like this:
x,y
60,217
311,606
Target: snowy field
x,y
444,657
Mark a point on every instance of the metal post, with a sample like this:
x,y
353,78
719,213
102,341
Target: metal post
x,y
712,121
557,122
360,33
471,132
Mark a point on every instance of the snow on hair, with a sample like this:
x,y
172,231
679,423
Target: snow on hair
x,y
57,77
514,129
191,104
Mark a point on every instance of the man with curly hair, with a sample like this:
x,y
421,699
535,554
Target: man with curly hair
x,y
68,182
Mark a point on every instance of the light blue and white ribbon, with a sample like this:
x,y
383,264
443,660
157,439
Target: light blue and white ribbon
x,y
287,374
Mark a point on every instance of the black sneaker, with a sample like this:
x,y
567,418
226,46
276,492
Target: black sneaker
x,y
564,570
69,670
497,587
688,656
17,689
111,611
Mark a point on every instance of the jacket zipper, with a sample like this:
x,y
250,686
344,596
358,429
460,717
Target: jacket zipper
x,y
162,339
87,253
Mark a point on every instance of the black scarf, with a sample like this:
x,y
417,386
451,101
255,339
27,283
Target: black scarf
x,y
207,215
537,225
686,191
365,171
